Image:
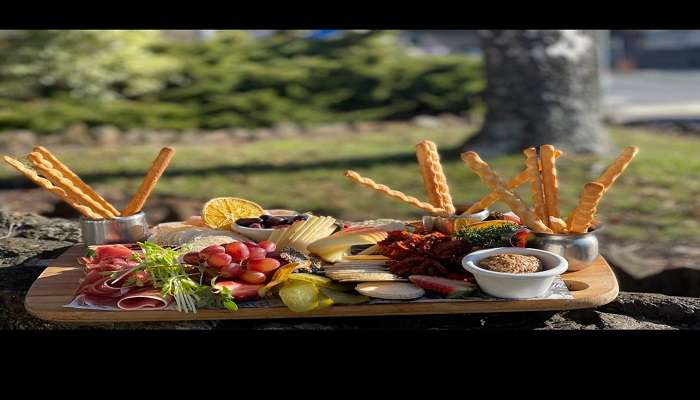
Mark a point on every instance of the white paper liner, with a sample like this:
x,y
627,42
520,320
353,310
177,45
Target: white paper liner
x,y
558,290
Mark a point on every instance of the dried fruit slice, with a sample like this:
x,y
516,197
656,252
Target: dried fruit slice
x,y
299,296
281,276
221,212
451,288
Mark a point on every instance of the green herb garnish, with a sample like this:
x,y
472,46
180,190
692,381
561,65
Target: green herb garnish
x,y
488,237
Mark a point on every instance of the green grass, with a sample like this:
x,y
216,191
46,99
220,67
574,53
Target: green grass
x,y
653,201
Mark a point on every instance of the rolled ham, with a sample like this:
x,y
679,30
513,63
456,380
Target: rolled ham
x,y
144,299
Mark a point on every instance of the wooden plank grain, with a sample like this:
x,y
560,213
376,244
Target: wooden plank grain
x,y
590,287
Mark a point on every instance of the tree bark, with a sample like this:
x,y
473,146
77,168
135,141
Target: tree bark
x,y
542,87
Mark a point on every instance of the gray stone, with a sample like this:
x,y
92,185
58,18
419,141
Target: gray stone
x,y
18,141
77,133
426,121
106,135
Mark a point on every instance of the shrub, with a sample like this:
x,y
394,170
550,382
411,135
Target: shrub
x,y
236,80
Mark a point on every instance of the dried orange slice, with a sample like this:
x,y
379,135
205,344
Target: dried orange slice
x,y
221,212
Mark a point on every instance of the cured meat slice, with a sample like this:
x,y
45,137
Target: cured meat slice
x,y
144,299
99,301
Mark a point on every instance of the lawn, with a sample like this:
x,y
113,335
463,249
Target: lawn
x,y
654,201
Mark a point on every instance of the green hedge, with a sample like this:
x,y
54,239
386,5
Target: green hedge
x,y
239,81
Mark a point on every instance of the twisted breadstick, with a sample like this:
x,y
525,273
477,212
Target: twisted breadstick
x,y
41,153
47,185
493,196
354,176
550,183
493,181
149,181
558,225
617,167
66,184
433,176
513,184
533,171
582,216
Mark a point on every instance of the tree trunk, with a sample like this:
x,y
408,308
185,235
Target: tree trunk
x,y
542,87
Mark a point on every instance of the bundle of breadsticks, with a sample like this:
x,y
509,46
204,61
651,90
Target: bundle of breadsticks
x,y
439,198
48,172
541,173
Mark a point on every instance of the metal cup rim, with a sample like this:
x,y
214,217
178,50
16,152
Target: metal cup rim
x,y
596,228
120,218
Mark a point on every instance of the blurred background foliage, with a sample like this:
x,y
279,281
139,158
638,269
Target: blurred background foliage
x,y
137,79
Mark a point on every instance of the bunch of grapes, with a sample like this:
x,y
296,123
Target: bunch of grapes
x,y
249,262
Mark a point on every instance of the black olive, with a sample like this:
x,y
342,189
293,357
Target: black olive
x,y
248,221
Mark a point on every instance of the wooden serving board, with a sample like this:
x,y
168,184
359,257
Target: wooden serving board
x,y
590,287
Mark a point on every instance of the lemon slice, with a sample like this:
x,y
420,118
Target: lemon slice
x,y
221,212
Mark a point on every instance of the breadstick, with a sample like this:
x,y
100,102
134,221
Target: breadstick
x,y
582,216
66,184
533,171
513,184
558,225
42,153
617,167
550,185
47,185
149,182
492,197
354,176
494,182
433,176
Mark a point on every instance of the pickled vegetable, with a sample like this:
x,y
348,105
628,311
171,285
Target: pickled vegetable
x,y
299,296
311,278
338,297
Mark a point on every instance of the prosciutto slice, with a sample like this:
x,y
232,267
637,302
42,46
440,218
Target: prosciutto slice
x,y
144,299
99,301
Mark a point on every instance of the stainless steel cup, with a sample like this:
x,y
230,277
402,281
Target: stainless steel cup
x,y
580,250
131,229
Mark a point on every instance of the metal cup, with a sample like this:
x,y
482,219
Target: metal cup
x,y
130,229
580,250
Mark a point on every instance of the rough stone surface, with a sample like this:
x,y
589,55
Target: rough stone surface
x,y
34,239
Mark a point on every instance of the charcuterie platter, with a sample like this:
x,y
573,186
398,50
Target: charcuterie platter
x,y
238,260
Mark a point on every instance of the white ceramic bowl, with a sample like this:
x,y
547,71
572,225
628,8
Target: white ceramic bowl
x,y
515,286
260,234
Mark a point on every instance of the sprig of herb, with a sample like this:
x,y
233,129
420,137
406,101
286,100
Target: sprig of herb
x,y
169,275
488,237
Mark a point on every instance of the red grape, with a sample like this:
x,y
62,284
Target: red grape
x,y
253,277
191,258
250,245
267,245
219,260
238,251
232,270
208,251
257,252
263,265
